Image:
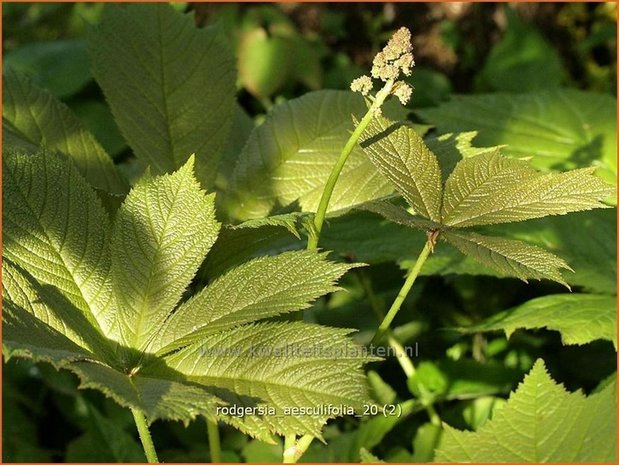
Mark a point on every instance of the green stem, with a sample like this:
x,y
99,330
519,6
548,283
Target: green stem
x,y
213,441
293,450
147,441
408,284
319,219
405,362
403,359
434,418
289,450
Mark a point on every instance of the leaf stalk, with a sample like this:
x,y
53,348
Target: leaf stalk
x,y
214,443
408,284
294,450
145,437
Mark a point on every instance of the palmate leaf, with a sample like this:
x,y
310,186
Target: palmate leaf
x,y
362,235
401,155
289,157
32,117
105,325
580,318
483,188
491,189
170,85
541,422
47,334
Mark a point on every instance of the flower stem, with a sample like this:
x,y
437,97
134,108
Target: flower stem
x,y
408,284
327,192
147,441
213,441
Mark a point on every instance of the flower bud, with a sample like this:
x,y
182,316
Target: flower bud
x,y
403,92
362,84
396,57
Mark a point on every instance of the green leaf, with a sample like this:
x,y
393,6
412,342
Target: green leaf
x,y
427,439
259,452
290,221
371,239
289,157
11,137
261,288
541,422
288,364
242,126
371,432
57,230
59,66
400,154
381,391
560,128
463,379
56,281
162,233
490,189
37,118
522,60
581,318
170,85
98,119
367,457
593,260
264,62
105,334
67,333
253,238
509,257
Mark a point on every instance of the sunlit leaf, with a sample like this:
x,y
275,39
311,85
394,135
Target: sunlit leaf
x,y
541,422
289,157
400,154
490,188
580,318
560,128
36,118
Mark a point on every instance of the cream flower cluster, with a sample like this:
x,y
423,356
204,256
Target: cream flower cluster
x,y
395,58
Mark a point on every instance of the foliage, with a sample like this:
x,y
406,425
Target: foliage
x,y
483,189
559,129
103,303
548,424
